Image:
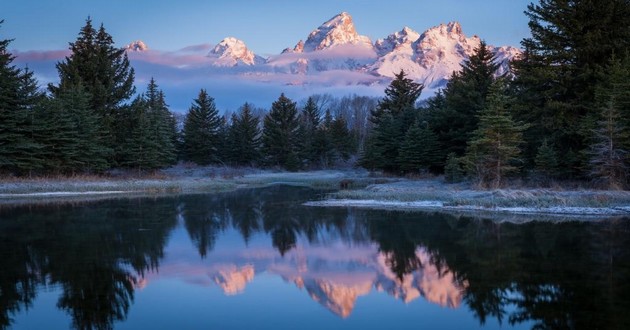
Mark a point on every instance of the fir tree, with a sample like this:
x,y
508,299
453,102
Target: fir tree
x,y
150,127
245,137
452,170
546,160
570,44
393,116
280,134
19,96
464,97
73,140
611,137
493,152
104,72
163,128
420,151
309,125
338,144
201,131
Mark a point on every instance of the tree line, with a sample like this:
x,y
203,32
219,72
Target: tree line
x,y
563,112
91,121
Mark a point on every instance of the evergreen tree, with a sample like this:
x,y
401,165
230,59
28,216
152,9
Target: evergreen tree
x,y
104,72
420,151
140,150
72,139
570,44
280,134
493,152
19,97
393,116
611,138
150,127
162,124
337,143
546,160
464,98
452,169
309,125
245,136
201,131
225,144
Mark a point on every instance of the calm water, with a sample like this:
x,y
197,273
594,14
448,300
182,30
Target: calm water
x,y
257,259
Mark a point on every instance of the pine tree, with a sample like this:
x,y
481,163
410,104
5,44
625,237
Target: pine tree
x,y
493,152
570,44
546,160
452,170
245,136
309,125
104,72
611,137
420,151
72,138
393,116
336,142
201,131
162,124
464,97
280,134
19,96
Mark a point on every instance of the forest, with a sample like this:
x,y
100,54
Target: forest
x,y
561,114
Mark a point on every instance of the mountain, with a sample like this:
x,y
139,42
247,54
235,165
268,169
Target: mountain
x,y
335,45
233,52
432,57
137,46
335,54
337,31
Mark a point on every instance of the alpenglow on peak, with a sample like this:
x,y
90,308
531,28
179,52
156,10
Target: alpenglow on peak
x,y
339,30
231,52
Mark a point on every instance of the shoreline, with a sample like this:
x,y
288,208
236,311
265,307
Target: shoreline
x,y
440,206
367,191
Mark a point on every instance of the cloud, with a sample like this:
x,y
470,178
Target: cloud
x,y
181,74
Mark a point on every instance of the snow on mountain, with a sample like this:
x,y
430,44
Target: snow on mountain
x,y
339,30
335,54
335,45
137,46
434,55
232,52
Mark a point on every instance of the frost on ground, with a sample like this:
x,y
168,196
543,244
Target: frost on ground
x,y
434,194
176,180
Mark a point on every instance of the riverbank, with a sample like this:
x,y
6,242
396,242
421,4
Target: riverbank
x,y
434,194
360,190
178,180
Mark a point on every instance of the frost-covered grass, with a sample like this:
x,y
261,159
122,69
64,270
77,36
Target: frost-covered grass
x,y
435,194
181,179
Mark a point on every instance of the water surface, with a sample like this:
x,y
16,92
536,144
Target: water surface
x,y
254,259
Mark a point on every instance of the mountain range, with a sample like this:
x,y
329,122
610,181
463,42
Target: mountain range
x,y
336,47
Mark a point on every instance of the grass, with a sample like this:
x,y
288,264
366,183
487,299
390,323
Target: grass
x,y
465,196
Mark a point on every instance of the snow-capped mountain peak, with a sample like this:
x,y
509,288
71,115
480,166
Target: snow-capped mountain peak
x,y
231,51
339,30
433,56
397,40
299,48
137,46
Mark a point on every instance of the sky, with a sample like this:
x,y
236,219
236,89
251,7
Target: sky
x,y
266,26
42,29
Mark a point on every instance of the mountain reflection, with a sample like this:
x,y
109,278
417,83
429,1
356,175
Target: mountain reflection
x,y
569,275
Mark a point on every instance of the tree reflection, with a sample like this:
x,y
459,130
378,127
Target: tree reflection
x,y
555,275
94,252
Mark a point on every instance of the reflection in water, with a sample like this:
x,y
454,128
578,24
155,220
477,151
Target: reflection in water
x,y
553,275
